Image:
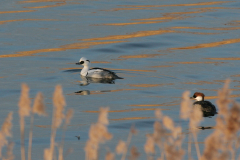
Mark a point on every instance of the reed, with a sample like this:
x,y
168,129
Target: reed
x,y
168,137
98,133
6,132
38,108
57,117
24,111
68,118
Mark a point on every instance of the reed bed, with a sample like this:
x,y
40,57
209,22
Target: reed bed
x,y
165,143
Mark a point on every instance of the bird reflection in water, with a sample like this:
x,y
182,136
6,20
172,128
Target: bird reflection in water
x,y
87,80
87,92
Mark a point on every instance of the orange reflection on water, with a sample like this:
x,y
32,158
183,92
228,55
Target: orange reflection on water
x,y
182,15
149,85
4,12
125,9
201,82
131,118
237,75
17,20
212,44
129,110
141,56
100,62
216,63
175,5
173,103
160,66
158,18
131,35
216,97
227,58
80,45
38,1
47,6
130,23
204,28
234,23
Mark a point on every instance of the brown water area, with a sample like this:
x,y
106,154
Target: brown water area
x,y
160,48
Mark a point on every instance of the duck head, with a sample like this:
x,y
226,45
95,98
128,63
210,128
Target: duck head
x,y
198,96
83,61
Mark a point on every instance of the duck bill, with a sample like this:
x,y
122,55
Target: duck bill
x,y
192,98
79,63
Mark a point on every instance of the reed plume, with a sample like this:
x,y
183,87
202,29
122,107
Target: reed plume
x,y
5,132
223,142
57,117
24,111
194,114
10,155
134,154
110,156
98,134
167,136
122,146
38,108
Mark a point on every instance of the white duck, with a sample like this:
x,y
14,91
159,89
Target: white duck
x,y
95,72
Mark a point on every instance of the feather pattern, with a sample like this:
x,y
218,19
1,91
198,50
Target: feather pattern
x,y
207,108
95,72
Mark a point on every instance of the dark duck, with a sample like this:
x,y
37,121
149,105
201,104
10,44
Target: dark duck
x,y
206,107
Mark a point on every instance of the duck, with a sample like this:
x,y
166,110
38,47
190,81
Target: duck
x,y
206,107
95,72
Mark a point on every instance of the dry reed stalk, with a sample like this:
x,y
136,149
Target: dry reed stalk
x,y
195,116
149,147
68,118
173,142
167,137
38,108
10,155
98,134
186,105
24,111
221,143
58,103
110,156
195,119
134,154
5,132
122,146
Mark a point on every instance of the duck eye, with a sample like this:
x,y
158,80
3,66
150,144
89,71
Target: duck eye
x,y
88,61
81,62
194,96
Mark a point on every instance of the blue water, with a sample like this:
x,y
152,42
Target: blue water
x,y
161,48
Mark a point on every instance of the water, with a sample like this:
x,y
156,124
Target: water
x,y
161,48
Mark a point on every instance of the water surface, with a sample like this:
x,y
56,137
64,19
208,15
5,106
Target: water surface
x,y
161,48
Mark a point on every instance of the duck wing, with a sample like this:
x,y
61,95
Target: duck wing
x,y
102,69
113,74
207,108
